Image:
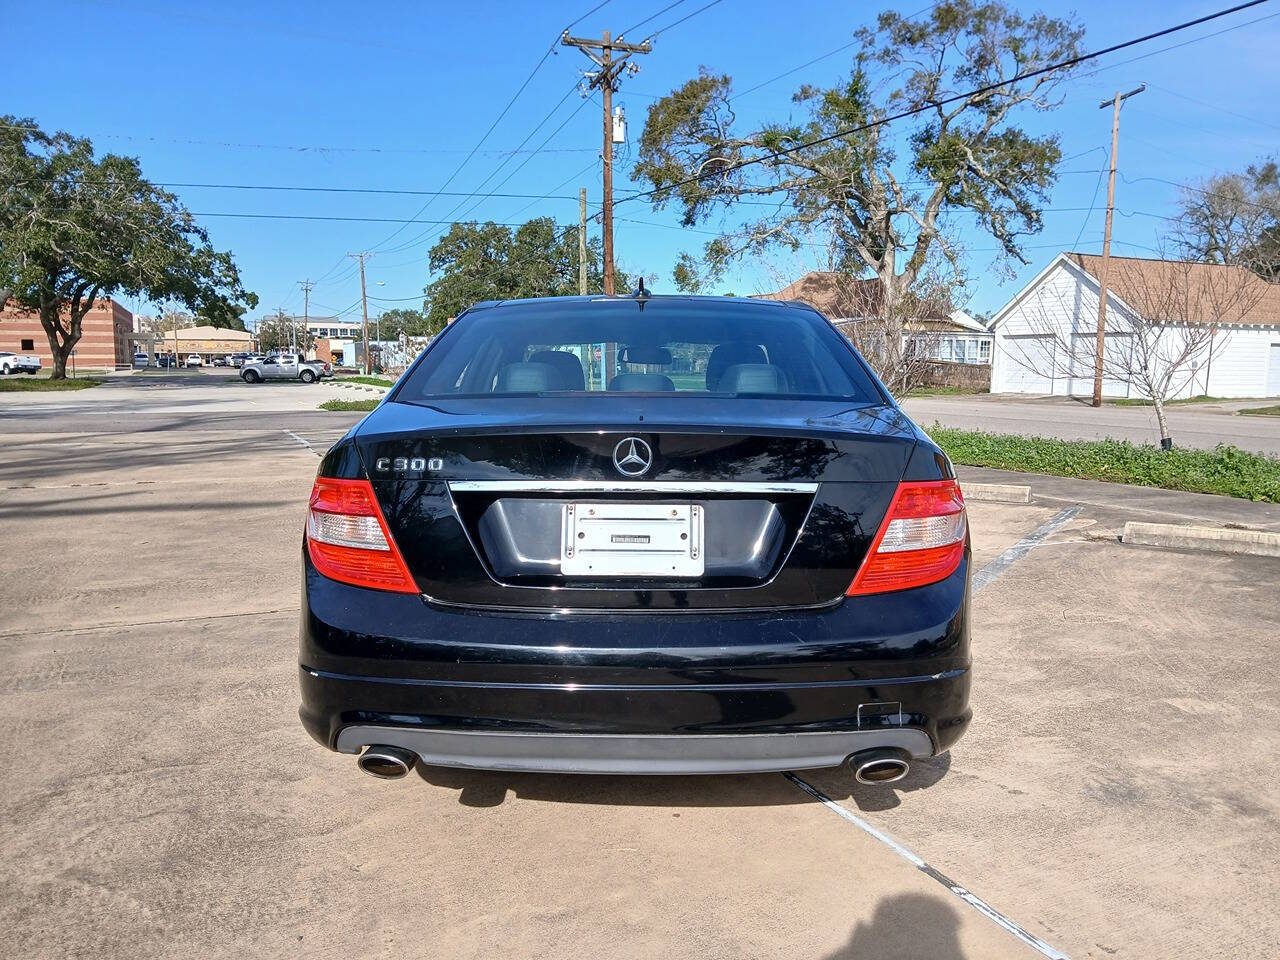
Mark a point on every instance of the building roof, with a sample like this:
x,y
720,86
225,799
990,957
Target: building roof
x,y
839,296
1205,292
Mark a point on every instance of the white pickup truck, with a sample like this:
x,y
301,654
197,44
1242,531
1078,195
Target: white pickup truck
x,y
285,366
18,363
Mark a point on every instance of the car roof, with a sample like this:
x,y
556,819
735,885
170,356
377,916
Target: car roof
x,y
725,304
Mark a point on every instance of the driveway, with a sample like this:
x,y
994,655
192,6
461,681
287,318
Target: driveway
x,y
1112,799
1191,425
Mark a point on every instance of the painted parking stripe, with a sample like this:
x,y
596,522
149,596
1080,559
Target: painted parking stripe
x,y
1030,939
1000,564
980,580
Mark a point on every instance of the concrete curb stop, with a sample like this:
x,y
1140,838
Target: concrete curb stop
x,y
997,492
1219,539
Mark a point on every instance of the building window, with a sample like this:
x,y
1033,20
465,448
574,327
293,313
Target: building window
x,y
984,351
28,345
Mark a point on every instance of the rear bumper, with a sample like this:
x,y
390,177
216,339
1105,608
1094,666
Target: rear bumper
x,y
635,693
619,753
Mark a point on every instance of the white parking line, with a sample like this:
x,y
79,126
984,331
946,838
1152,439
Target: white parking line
x,y
299,439
1030,939
980,580
1000,564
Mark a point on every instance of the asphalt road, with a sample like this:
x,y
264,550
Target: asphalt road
x,y
1191,425
161,799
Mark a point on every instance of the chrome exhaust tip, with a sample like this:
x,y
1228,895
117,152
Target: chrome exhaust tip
x,y
878,767
387,763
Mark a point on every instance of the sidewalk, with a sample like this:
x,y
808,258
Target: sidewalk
x,y
1117,502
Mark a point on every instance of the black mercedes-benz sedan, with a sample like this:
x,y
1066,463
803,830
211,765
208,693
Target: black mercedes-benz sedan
x,y
637,535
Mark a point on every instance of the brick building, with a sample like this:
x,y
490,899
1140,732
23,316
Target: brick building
x,y
104,343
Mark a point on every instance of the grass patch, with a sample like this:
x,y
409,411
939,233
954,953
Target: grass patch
x,y
1224,470
945,392
1272,411
26,384
1143,402
371,381
359,406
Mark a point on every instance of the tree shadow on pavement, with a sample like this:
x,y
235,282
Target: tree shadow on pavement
x,y
908,926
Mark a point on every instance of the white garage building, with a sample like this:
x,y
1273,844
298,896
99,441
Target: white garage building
x,y
1044,336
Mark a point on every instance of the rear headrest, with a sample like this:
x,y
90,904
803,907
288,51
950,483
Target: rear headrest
x,y
641,383
726,355
526,378
753,378
566,365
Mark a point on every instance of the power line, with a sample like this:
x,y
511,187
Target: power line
x,y
688,16
649,19
292,216
913,111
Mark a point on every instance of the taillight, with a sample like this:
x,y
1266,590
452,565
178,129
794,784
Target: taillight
x,y
921,540
348,539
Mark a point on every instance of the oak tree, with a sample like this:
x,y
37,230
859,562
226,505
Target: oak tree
x,y
76,228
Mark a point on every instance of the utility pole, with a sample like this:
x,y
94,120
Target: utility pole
x,y
582,241
364,307
306,303
1115,103
606,79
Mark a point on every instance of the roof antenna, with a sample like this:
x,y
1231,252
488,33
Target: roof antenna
x,y
641,293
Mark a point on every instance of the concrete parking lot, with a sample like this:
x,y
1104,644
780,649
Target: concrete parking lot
x,y
1113,798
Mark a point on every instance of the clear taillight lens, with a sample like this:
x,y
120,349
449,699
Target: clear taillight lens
x,y
348,540
921,540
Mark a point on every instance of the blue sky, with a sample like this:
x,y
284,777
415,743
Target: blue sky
x,y
394,96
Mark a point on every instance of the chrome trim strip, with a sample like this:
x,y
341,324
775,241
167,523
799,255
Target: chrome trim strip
x,y
627,486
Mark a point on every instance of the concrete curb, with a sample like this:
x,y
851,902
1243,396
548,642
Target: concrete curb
x,y
1218,539
997,492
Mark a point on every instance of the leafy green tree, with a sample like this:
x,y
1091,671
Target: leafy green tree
x,y
392,324
279,331
879,198
475,262
75,228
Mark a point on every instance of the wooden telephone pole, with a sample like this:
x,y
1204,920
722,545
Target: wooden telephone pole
x,y
582,241
306,305
1115,103
364,308
606,79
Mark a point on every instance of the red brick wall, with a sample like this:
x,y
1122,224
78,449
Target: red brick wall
x,y
103,344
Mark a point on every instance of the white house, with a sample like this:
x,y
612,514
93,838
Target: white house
x,y
1045,335
950,336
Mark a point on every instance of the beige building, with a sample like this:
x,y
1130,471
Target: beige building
x,y
207,341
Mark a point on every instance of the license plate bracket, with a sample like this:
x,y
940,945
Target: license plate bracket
x,y
615,539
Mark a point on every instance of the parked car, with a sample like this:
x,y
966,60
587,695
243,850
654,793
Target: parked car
x,y
141,361
195,360
284,366
510,565
18,363
220,361
166,360
237,359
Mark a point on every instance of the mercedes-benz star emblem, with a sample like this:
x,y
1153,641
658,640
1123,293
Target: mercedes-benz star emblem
x,y
632,457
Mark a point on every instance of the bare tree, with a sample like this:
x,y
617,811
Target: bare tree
x,y
1166,320
1233,218
898,336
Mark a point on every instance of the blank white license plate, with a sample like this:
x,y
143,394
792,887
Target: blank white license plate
x,y
632,540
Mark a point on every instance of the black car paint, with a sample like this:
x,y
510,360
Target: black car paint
x,y
789,654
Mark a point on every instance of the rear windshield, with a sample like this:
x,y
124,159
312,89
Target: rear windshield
x,y
677,347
